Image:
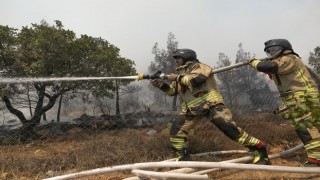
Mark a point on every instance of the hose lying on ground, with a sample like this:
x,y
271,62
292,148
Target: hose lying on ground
x,y
250,158
201,165
165,175
237,160
190,170
191,164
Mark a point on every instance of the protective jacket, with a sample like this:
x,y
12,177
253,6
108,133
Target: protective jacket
x,y
288,72
196,87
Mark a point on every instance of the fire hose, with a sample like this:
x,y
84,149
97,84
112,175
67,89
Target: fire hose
x,y
199,165
139,76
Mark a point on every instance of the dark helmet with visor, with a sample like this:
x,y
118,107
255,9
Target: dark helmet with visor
x,y
275,47
185,54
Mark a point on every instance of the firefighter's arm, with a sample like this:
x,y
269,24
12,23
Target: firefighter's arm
x,y
199,74
266,66
282,65
168,89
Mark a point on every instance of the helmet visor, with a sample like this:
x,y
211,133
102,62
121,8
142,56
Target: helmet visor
x,y
273,50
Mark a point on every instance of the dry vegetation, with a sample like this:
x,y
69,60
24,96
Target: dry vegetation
x,y
78,149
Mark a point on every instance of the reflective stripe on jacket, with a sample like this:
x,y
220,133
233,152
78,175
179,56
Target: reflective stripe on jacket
x,y
293,75
207,90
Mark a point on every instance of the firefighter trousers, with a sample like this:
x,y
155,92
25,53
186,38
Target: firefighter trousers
x,y
311,140
301,106
221,117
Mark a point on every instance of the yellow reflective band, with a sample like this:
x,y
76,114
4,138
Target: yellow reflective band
x,y
183,107
243,138
257,156
304,79
255,63
212,96
314,155
313,92
314,96
179,146
253,141
299,95
185,81
177,140
171,91
302,95
312,145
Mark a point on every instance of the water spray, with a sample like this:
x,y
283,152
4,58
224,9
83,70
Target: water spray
x,y
71,79
61,79
139,76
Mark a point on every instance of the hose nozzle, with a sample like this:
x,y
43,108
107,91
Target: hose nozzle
x,y
156,75
140,76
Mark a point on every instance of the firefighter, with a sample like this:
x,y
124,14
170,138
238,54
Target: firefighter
x,y
196,86
298,92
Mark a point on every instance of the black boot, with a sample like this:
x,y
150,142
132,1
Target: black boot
x,y
260,155
183,155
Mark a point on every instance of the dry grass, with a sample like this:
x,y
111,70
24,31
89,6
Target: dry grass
x,y
78,150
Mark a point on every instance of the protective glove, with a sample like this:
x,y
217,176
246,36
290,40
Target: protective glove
x,y
156,82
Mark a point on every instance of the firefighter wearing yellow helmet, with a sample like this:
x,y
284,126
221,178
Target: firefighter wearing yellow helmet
x,y
196,86
298,92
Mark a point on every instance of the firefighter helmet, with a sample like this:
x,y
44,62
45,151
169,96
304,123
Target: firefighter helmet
x,y
185,54
285,44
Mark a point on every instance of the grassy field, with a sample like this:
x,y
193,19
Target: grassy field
x,y
76,150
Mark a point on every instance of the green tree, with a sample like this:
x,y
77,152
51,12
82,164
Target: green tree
x,y
7,47
226,79
124,68
240,80
52,51
248,77
314,59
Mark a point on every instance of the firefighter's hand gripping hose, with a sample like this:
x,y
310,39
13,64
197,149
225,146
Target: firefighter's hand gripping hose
x,y
156,75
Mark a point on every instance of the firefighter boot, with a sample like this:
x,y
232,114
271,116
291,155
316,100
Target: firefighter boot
x,y
261,157
179,145
260,154
183,155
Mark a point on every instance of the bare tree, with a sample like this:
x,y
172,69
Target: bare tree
x,y
163,61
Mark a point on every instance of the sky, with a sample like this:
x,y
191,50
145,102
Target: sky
x,y
209,27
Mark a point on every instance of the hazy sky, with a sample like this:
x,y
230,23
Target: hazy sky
x,y
207,26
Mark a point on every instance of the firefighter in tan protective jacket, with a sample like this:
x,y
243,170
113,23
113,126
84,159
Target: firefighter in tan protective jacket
x,y
298,92
196,86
